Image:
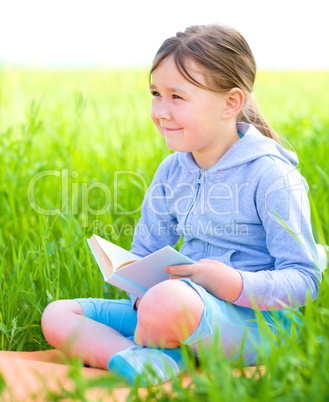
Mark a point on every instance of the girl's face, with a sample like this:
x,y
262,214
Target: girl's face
x,y
191,119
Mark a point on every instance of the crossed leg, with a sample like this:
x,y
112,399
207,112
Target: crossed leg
x,y
168,313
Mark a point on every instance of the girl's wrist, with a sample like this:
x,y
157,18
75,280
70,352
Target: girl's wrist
x,y
224,282
237,287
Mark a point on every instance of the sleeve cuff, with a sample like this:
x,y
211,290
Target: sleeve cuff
x,y
250,295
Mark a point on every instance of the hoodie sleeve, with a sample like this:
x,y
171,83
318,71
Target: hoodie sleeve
x,y
156,227
283,208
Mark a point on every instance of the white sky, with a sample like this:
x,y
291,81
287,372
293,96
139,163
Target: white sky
x,y
283,34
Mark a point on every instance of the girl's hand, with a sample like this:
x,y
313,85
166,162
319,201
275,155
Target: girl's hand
x,y
196,272
216,277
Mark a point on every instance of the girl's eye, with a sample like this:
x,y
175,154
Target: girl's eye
x,y
157,94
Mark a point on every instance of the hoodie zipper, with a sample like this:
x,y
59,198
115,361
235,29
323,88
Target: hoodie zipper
x,y
195,198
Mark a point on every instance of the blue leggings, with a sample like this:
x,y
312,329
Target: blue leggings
x,y
236,328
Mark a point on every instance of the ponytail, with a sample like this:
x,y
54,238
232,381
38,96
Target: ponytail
x,y
250,113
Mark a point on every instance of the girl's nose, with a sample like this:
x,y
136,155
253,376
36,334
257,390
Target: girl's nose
x,y
162,111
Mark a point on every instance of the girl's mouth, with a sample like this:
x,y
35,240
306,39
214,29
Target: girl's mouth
x,y
171,130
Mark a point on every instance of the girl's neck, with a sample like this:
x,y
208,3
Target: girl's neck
x,y
207,158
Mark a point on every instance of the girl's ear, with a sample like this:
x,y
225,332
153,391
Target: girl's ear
x,y
234,103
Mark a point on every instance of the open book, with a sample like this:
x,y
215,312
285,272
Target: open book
x,y
129,272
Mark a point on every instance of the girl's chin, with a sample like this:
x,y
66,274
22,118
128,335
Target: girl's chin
x,y
176,147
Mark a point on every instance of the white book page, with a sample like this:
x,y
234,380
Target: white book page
x,y
117,255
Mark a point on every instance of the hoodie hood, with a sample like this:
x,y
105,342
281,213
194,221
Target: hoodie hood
x,y
252,146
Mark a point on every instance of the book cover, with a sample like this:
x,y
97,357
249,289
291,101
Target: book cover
x,y
135,277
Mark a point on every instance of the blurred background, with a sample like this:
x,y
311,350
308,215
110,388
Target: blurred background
x,y
285,34
74,112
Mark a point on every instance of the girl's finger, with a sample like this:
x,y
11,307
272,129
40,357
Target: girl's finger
x,y
174,269
179,276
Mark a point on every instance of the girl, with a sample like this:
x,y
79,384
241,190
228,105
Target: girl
x,y
235,196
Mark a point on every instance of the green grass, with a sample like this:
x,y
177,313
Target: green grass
x,y
83,127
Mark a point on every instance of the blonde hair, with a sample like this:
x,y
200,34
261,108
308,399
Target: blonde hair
x,y
227,61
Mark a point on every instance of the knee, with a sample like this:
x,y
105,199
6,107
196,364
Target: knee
x,y
57,308
54,317
172,304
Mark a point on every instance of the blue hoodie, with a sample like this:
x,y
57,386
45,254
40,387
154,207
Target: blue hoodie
x,y
250,211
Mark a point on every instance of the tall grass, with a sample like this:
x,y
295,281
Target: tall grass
x,y
86,127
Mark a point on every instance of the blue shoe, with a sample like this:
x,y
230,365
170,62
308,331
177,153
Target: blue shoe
x,y
151,365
